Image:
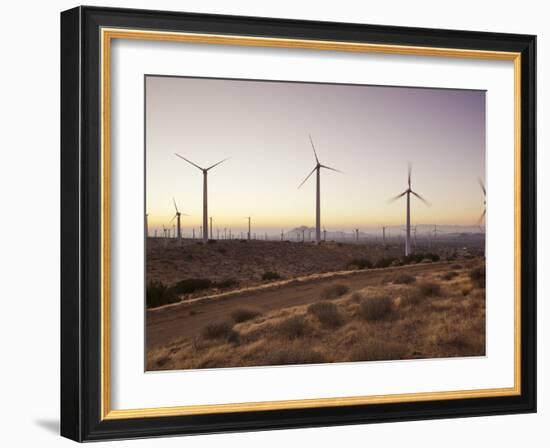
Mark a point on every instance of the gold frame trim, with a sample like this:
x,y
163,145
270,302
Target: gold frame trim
x,y
107,35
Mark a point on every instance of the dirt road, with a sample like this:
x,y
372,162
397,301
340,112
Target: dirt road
x,y
184,320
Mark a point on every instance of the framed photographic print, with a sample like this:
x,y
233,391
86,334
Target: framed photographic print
x,y
272,223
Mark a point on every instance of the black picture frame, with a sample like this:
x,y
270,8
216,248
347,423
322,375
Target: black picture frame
x,y
81,224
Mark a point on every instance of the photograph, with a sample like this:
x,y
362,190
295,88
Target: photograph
x,y
293,223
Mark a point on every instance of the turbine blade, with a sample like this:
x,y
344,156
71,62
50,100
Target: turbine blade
x,y
308,176
482,185
409,173
173,218
333,169
216,164
395,198
177,211
421,198
313,146
480,220
189,161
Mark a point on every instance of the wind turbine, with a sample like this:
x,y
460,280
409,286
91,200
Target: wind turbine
x,y
317,169
482,185
482,217
408,192
178,215
435,231
204,194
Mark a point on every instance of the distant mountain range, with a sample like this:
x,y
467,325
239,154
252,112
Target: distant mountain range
x,y
422,230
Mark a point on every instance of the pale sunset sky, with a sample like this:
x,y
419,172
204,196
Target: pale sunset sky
x,y
368,132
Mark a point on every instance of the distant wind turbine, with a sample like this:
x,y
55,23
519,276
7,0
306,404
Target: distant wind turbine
x,y
482,217
204,194
317,169
408,192
248,235
178,215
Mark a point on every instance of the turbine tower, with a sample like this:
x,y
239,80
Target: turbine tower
x,y
211,228
248,235
204,194
408,192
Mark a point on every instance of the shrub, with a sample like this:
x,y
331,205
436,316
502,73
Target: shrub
x,y
375,308
477,275
420,258
191,285
211,241
327,313
294,353
449,275
222,250
429,289
219,330
411,298
360,263
292,328
334,291
404,279
385,262
378,351
456,266
270,275
244,314
227,283
158,294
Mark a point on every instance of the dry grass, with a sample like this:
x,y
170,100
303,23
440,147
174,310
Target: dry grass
x,y
293,353
431,318
244,314
375,350
404,279
334,291
477,275
449,275
375,308
429,289
292,328
327,313
218,330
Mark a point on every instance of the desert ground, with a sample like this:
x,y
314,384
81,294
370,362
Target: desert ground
x,y
234,304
